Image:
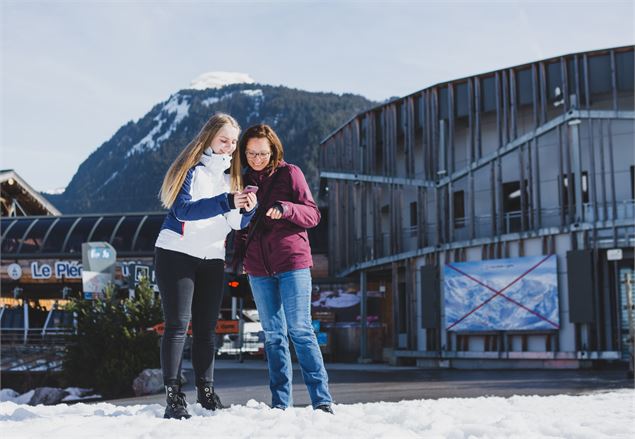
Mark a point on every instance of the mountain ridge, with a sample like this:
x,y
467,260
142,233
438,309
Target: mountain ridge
x,y
124,173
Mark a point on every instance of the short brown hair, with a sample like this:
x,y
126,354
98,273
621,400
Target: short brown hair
x,y
262,131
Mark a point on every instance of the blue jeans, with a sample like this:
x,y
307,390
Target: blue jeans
x,y
284,307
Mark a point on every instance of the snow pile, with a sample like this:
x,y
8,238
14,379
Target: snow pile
x,y
219,79
599,415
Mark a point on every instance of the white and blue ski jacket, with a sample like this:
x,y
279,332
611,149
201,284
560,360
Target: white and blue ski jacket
x,y
203,213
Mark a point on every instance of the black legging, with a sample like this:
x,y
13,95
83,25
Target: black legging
x,y
190,288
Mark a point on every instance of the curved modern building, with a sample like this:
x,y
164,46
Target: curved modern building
x,y
493,214
48,249
42,255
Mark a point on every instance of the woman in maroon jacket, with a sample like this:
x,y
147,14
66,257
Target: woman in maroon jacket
x,y
277,260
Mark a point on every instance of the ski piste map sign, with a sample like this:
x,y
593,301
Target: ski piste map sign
x,y
502,295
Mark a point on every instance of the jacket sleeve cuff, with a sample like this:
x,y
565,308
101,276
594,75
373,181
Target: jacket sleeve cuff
x,y
286,209
230,200
244,211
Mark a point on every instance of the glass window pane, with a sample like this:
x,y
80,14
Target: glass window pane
x,y
57,235
524,87
79,234
600,74
33,241
148,233
11,242
554,81
123,239
488,94
571,78
5,223
443,103
105,228
624,67
460,100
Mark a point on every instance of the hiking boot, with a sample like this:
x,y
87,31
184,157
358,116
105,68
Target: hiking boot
x,y
207,398
176,405
325,408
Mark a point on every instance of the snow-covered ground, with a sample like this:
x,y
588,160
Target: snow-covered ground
x,y
596,415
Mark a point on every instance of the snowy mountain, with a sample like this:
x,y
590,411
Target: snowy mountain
x,y
124,174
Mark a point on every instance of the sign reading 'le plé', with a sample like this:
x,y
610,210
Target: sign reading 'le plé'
x,y
61,270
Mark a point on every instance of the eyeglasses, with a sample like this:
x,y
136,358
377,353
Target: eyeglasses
x,y
260,155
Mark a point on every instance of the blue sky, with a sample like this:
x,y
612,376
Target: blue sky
x,y
74,72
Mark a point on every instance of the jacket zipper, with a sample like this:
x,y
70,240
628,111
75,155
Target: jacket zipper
x,y
264,260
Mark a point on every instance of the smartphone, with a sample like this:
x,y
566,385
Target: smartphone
x,y
250,189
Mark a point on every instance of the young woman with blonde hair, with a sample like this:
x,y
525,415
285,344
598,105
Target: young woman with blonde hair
x,y
205,203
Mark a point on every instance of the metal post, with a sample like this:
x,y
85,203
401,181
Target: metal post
x,y
576,155
25,307
234,308
241,330
631,324
442,165
363,348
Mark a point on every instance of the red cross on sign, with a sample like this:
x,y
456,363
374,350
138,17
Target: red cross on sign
x,y
499,293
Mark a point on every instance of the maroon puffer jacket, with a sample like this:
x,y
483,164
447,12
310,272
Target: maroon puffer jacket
x,y
280,245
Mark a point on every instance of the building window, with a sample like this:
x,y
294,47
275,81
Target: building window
x,y
624,68
460,100
402,122
524,87
565,190
512,206
413,214
379,142
458,203
443,103
488,94
571,77
420,113
600,74
554,81
385,218
511,196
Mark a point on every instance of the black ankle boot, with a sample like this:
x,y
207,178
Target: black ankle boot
x,y
325,408
176,405
207,397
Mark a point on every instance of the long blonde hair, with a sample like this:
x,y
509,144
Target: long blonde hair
x,y
191,155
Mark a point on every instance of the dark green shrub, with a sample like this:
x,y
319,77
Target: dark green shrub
x,y
113,344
